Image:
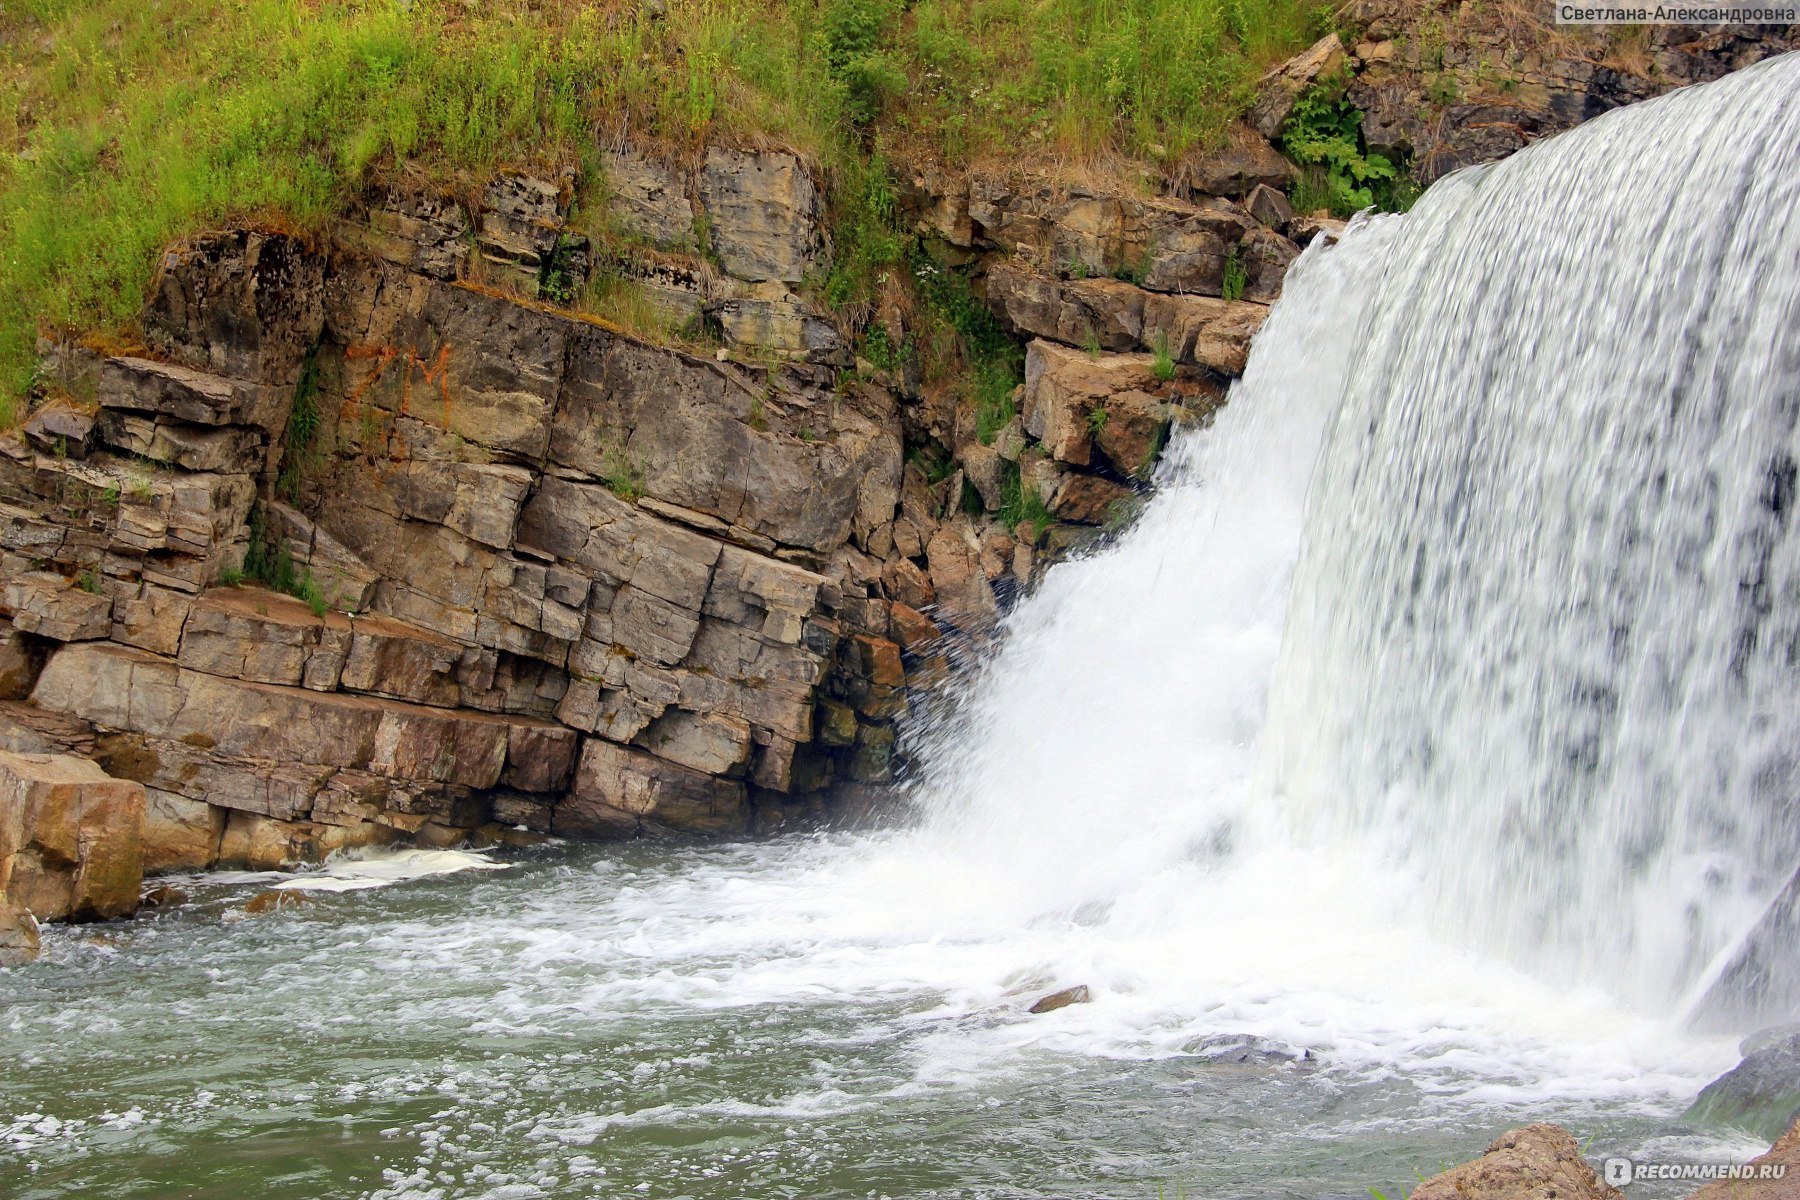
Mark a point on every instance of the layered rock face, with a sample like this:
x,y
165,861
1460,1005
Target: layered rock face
x,y
543,572
559,578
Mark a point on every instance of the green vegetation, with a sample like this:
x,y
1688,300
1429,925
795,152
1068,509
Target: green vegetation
x,y
1324,135
1235,277
267,561
124,126
301,455
965,342
1021,508
1162,364
623,478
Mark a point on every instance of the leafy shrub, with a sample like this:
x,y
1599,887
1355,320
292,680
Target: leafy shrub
x,y
1325,131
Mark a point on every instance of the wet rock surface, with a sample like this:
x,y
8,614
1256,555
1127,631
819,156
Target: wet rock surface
x,y
1761,1095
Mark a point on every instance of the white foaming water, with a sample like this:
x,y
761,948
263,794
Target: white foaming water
x,y
1527,773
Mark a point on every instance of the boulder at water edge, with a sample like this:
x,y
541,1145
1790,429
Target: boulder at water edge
x,y
71,838
1538,1162
1760,1095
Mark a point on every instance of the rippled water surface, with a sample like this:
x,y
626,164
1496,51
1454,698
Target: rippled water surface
x,y
726,1021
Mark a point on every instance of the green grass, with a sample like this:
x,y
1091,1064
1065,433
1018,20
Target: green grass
x,y
125,125
1235,277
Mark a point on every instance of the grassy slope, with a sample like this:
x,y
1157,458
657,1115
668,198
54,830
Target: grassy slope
x,y
126,123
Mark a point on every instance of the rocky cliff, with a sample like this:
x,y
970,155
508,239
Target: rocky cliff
x,y
371,535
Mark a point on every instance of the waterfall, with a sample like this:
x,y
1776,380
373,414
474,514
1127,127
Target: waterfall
x,y
1479,603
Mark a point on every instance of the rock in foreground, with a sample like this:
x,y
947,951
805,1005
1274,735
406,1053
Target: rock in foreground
x,y
1538,1162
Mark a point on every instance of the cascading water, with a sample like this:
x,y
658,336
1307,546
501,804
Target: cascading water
x,y
1433,721
1544,641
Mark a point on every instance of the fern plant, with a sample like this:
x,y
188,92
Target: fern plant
x,y
1324,130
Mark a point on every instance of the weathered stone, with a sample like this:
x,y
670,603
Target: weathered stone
x,y
1266,257
70,838
1782,1181
709,742
964,595
871,760
1209,333
1537,1162
621,792
769,317
27,729
1302,230
258,636
21,659
242,304
274,901
763,210
1088,499
334,567
1106,312
1245,162
649,199
1269,206
59,429
391,658
1129,429
519,222
702,435
1201,330
1282,86
231,448
46,604
127,690
906,582
180,834
412,228
18,934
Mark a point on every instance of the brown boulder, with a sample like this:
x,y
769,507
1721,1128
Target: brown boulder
x,y
1537,1162
1073,995
70,838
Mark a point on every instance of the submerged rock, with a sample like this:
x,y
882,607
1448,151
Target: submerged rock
x,y
1235,1050
1761,1094
1538,1162
164,897
274,900
1055,1000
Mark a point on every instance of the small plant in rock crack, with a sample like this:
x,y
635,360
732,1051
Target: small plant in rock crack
x,y
1235,278
1162,363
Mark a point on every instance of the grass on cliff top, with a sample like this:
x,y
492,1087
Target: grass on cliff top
x,y
125,124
